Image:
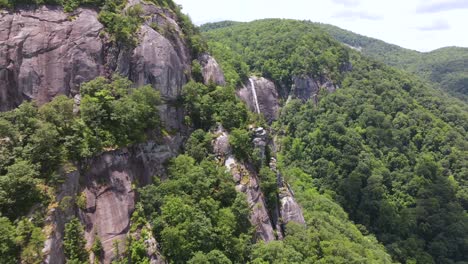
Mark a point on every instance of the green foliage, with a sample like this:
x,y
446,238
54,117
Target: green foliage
x,y
121,25
197,74
445,67
31,240
18,191
8,246
386,158
196,210
36,141
240,142
97,248
115,114
388,148
294,49
81,200
137,252
269,185
234,68
209,104
74,242
213,257
198,146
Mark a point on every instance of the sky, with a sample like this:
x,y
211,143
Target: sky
x,y
422,25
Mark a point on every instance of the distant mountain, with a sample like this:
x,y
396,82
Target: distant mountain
x,y
447,67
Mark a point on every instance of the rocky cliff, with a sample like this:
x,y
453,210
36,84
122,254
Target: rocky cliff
x,y
46,52
107,182
266,97
268,226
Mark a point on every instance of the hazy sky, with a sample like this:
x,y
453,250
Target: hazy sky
x,y
422,25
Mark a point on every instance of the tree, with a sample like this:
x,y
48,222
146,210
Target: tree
x,y
74,242
240,141
8,247
18,189
213,257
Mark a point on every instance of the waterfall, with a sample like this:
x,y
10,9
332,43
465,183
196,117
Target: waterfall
x,y
254,93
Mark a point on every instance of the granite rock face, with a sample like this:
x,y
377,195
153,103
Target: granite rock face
x,y
109,189
306,88
108,185
247,181
266,97
58,216
45,52
211,70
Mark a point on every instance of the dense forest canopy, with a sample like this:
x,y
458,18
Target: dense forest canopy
x,y
445,67
391,150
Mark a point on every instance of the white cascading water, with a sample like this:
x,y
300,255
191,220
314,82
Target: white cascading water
x,y
254,93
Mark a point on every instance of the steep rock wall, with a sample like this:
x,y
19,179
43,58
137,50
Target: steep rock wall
x,y
110,186
247,182
267,97
108,182
45,52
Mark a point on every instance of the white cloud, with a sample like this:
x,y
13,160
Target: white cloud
x,y
436,25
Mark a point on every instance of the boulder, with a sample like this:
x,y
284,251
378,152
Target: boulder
x,y
211,70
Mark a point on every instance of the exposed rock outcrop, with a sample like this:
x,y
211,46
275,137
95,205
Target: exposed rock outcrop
x,y
211,70
58,215
306,87
45,52
109,189
266,97
247,182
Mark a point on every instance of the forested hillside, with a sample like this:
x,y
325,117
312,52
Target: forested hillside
x,y
385,146
446,67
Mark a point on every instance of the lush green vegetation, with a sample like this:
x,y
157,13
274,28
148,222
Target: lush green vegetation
x,y
35,142
207,105
279,50
395,167
74,242
197,211
388,148
445,67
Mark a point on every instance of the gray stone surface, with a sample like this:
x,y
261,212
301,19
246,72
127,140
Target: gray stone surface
x,y
267,97
57,217
44,53
247,182
290,209
109,188
211,70
305,87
